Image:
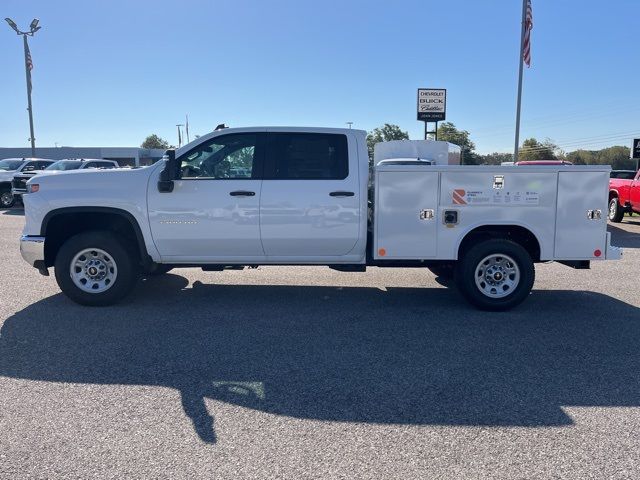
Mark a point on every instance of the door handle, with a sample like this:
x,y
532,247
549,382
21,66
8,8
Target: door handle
x,y
342,194
242,193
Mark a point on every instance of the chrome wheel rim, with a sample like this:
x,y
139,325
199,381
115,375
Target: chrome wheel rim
x,y
93,270
497,275
6,198
612,208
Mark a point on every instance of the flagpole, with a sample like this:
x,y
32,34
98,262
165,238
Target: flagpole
x,y
517,142
29,108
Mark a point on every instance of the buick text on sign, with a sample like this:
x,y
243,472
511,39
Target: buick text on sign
x,y
432,104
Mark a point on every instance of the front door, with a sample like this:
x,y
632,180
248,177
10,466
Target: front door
x,y
310,205
212,215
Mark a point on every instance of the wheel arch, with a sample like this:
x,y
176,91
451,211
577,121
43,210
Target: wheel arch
x,y
514,232
60,224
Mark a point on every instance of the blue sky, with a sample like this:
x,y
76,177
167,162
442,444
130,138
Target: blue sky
x,y
108,73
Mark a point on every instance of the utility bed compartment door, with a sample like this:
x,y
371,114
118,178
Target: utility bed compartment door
x,y
582,196
406,215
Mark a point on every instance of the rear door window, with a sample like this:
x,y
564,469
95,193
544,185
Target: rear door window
x,y
307,156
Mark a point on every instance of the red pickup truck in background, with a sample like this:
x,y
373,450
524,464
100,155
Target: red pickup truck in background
x,y
624,194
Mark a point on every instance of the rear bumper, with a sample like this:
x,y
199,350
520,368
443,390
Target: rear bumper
x,y
32,250
612,253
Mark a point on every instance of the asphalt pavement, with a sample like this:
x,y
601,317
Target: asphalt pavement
x,y
303,372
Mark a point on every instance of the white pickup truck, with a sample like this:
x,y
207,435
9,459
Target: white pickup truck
x,y
305,196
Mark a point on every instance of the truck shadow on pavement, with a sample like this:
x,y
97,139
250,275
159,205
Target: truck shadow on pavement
x,y
415,356
624,238
13,211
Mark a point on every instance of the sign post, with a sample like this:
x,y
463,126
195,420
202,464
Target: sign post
x,y
635,152
432,107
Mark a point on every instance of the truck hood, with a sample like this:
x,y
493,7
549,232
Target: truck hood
x,y
91,186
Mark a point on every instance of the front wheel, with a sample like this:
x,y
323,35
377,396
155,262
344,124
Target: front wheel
x,y
7,199
615,210
94,268
495,275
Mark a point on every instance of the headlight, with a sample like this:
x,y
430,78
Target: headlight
x,y
33,187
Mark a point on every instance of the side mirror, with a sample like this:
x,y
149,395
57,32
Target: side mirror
x,y
170,172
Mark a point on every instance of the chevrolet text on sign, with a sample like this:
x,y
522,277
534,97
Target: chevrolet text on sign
x,y
432,104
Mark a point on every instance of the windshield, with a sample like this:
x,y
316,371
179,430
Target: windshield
x,y
64,165
624,174
7,165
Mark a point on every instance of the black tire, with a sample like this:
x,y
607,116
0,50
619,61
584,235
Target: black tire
x,y
616,212
116,249
7,199
157,269
475,261
443,270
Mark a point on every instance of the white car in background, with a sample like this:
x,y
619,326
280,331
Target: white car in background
x,y
9,167
19,182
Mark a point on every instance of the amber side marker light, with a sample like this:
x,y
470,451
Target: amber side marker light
x,y
33,188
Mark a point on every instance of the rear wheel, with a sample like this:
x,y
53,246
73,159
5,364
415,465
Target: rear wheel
x,y
616,212
94,268
495,275
7,199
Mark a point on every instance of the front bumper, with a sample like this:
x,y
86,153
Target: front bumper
x,y
32,250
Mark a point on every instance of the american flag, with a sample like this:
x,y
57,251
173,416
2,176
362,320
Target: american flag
x,y
528,26
29,64
29,61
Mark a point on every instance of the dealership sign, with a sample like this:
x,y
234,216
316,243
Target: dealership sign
x,y
432,104
635,149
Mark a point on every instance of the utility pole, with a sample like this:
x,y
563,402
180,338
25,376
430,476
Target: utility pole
x,y
28,65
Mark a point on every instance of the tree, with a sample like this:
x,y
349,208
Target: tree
x,y
385,133
154,141
532,149
617,157
448,132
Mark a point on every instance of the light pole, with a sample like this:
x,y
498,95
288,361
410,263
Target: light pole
x,y
179,125
28,65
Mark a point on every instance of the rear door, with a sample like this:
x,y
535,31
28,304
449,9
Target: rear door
x,y
212,213
310,204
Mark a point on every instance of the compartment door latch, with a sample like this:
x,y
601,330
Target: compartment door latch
x,y
594,214
427,214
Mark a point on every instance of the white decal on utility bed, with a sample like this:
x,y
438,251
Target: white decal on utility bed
x,y
460,196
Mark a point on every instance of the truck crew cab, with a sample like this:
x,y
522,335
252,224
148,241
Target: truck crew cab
x,y
300,196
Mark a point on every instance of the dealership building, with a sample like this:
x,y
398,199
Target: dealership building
x,y
125,156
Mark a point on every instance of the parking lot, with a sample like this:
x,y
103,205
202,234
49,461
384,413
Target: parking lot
x,y
292,372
